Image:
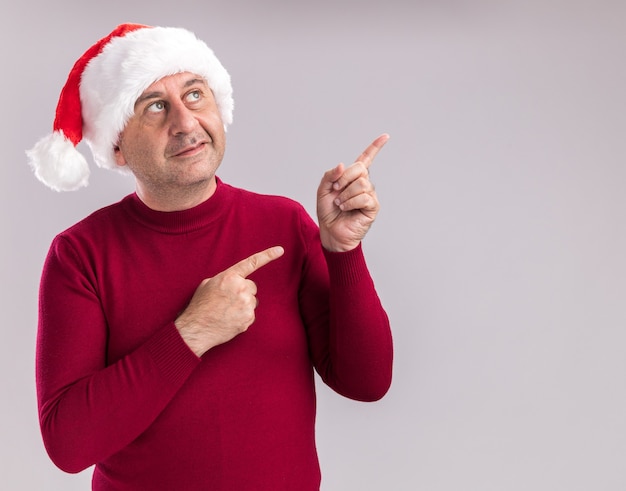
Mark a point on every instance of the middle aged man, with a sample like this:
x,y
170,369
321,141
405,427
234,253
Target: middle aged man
x,y
179,327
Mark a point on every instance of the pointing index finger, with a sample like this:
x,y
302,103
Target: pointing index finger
x,y
249,265
367,157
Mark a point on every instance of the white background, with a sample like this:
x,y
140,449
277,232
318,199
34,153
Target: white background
x,y
499,252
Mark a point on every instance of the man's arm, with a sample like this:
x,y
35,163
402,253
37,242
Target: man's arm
x,y
90,409
350,340
351,343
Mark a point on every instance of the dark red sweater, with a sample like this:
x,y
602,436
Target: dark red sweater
x,y
118,387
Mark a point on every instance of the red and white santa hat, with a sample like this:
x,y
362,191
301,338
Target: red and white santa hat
x,y
101,90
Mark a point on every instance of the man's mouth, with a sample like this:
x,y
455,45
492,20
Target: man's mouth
x,y
192,148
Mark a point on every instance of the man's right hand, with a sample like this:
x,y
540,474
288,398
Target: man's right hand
x,y
223,306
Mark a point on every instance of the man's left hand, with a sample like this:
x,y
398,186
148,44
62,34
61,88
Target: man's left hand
x,y
346,201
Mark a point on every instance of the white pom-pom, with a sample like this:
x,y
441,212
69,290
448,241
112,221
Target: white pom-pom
x,y
58,164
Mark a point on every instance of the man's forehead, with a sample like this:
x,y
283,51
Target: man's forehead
x,y
183,79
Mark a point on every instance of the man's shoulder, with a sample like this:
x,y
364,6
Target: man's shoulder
x,y
265,200
100,219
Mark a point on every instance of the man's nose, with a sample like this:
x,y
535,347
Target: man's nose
x,y
181,119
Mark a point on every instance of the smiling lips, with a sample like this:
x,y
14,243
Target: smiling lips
x,y
190,146
190,150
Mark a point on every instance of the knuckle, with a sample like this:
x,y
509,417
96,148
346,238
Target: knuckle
x,y
253,261
361,168
364,183
249,320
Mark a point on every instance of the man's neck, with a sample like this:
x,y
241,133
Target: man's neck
x,y
177,199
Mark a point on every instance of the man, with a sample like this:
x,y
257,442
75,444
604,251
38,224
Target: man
x,y
179,328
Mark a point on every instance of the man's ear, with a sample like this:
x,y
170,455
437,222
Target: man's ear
x,y
119,156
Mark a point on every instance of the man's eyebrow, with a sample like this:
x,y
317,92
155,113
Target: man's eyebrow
x,y
157,95
148,95
194,81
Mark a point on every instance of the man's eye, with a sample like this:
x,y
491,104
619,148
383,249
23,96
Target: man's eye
x,y
194,96
156,107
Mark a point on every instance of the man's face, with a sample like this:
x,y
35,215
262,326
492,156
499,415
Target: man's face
x,y
175,140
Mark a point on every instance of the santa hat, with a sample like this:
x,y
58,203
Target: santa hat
x,y
100,94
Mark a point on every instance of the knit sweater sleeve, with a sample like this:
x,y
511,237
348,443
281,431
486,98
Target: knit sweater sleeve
x,y
82,399
349,331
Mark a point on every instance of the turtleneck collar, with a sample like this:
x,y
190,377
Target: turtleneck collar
x,y
183,221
